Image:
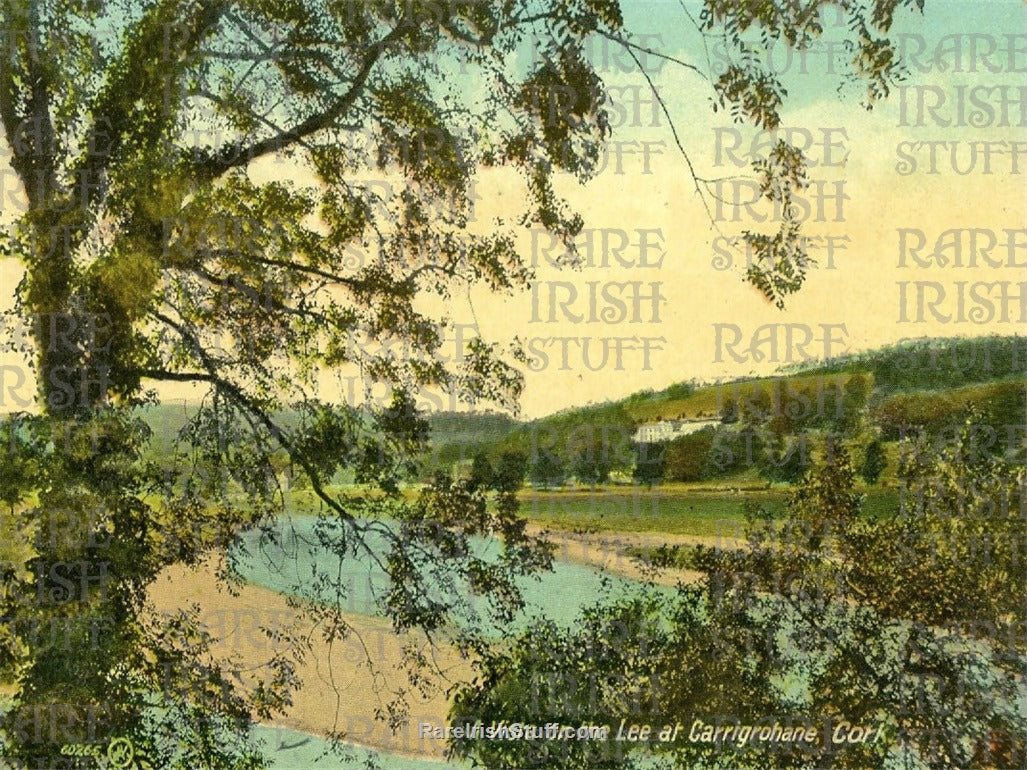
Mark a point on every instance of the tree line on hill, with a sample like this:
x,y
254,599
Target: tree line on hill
x,y
767,429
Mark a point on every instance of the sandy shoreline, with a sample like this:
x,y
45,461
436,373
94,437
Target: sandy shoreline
x,y
348,683
608,551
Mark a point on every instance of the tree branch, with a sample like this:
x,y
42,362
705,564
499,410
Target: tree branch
x,y
212,167
674,132
649,51
33,153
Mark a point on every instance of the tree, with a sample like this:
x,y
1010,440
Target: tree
x,y
785,459
874,462
153,254
688,457
650,463
547,469
733,451
593,462
757,407
510,471
827,618
482,474
18,469
729,412
853,403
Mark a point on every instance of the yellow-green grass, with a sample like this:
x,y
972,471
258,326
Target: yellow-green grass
x,y
704,509
707,401
672,510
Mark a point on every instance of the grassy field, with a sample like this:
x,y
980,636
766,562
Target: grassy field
x,y
644,510
676,510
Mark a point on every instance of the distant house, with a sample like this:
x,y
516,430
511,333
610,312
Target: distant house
x,y
668,430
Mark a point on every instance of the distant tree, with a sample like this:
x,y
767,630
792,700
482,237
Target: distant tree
x,y
510,471
679,390
756,407
852,409
997,406
650,463
687,458
785,458
482,475
733,451
547,469
593,462
826,617
158,249
874,462
729,412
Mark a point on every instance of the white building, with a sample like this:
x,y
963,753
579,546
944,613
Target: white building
x,y
668,430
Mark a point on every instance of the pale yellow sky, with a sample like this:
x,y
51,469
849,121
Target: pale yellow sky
x,y
861,292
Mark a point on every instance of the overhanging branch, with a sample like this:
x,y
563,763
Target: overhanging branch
x,y
240,154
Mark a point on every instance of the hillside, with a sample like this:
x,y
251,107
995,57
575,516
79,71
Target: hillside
x,y
882,395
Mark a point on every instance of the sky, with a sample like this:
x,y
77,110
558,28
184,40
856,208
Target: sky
x,y
916,216
872,286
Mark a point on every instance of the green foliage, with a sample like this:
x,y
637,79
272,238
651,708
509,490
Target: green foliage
x,y
547,470
938,415
845,397
750,89
456,437
875,460
608,426
482,474
592,462
152,255
510,471
937,364
665,556
688,457
851,411
19,470
783,459
132,127
650,464
958,536
733,451
589,677
93,542
678,391
906,623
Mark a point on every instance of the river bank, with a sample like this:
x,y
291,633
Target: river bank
x,y
348,683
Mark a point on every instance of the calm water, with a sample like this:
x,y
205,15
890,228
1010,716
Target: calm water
x,y
309,558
